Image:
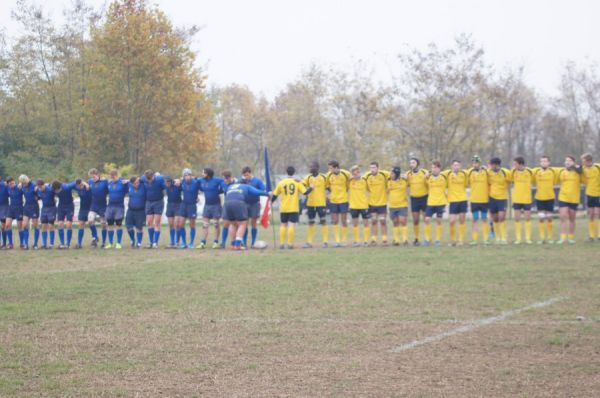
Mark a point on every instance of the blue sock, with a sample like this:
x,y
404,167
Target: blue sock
x,y
140,236
94,231
224,234
192,235
26,237
119,235
3,237
111,236
44,238
69,236
104,233
9,236
36,236
52,236
131,234
172,236
151,235
254,233
156,236
80,233
245,239
61,236
20,237
182,236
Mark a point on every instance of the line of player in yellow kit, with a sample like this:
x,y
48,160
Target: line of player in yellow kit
x,y
371,196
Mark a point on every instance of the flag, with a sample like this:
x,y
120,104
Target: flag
x,y
264,218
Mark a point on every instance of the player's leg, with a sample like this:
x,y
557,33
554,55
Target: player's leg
x,y
439,226
381,214
572,214
335,224
192,221
527,216
518,225
427,240
374,226
322,212
344,222
25,225
462,226
310,232
395,227
452,218
563,212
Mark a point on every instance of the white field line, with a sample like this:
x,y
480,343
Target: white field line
x,y
474,325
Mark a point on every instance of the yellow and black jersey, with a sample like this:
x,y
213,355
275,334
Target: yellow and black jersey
x,y
358,193
317,197
523,181
545,180
417,181
457,185
437,190
570,185
377,186
591,179
338,186
289,191
479,184
397,193
498,181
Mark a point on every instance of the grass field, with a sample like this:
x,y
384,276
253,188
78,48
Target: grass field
x,y
301,323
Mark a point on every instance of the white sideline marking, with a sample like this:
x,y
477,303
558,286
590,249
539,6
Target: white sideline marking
x,y
474,325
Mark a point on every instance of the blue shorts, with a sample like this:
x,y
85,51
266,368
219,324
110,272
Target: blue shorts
x,y
4,210
172,209
235,210
212,211
313,211
15,213
458,207
84,212
398,212
135,218
418,204
48,215
339,208
155,207
479,208
437,210
497,205
100,211
572,206
188,210
65,213
377,209
114,213
363,213
522,206
288,217
31,211
593,201
253,210
545,205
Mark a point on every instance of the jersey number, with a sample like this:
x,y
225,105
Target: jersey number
x,y
289,189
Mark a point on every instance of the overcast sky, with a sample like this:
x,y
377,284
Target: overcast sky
x,y
266,43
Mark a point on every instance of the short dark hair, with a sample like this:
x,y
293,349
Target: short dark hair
x,y
496,161
246,169
56,185
290,171
209,172
40,182
227,173
571,157
334,163
149,174
133,179
77,181
520,160
374,163
436,163
456,161
545,157
416,160
9,179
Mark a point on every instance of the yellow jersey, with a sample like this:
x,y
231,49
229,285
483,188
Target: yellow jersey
x,y
570,186
377,186
545,180
457,185
437,190
338,186
357,190
498,181
397,192
289,190
591,179
317,197
417,180
523,181
480,187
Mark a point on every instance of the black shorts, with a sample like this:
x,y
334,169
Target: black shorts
x,y
135,218
288,217
313,211
235,210
363,213
545,205
418,204
458,207
572,206
593,201
377,209
497,205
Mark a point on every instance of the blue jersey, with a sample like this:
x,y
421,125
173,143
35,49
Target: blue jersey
x,y
99,192
137,198
3,193
190,191
155,190
65,196
85,197
116,193
174,194
16,196
46,194
31,198
255,183
237,191
212,188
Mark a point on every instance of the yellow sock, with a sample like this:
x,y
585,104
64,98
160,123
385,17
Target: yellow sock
x,y
282,234
336,232
438,232
310,234
462,230
518,230
503,229
563,236
571,236
325,232
528,230
344,233
550,228
367,233
497,230
592,228
452,232
485,230
356,233
404,229
475,235
291,232
542,230
416,231
396,233
384,238
427,231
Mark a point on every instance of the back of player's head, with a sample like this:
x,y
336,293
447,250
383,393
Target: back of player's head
x,y
587,157
227,174
290,170
374,163
149,174
93,172
334,163
496,161
246,169
520,160
210,173
56,185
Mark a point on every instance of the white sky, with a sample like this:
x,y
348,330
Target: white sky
x,y
266,43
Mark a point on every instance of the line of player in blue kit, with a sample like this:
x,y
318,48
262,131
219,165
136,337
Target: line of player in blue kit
x,y
102,202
